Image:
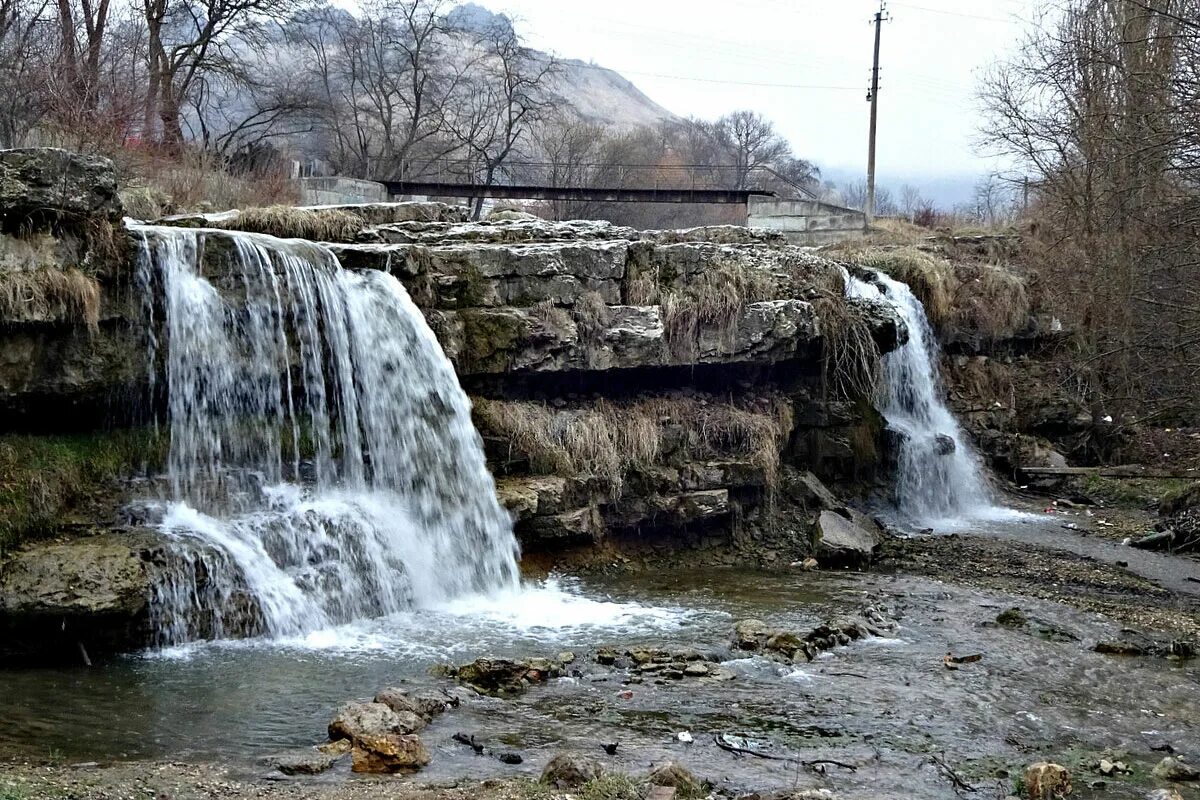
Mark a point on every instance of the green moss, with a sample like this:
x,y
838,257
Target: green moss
x,y
474,290
488,339
1135,492
46,480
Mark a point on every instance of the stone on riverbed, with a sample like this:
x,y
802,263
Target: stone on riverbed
x,y
305,761
499,677
425,704
846,538
570,771
750,634
1172,769
1047,781
677,777
388,753
356,720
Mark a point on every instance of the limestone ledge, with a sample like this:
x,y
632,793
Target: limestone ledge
x,y
499,340
551,511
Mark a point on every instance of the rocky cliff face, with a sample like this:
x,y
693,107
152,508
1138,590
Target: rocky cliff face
x,y
636,391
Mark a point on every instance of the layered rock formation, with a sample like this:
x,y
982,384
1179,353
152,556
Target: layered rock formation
x,y
636,391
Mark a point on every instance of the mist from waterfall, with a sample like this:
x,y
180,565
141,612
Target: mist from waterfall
x,y
939,481
323,465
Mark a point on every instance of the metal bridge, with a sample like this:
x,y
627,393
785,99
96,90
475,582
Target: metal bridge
x,y
595,194
598,183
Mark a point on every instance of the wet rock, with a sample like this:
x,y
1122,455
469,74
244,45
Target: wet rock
x,y
388,753
943,445
1120,648
1164,794
570,771
356,720
807,489
1047,781
845,538
499,677
750,634
1012,618
1172,769
425,704
338,747
306,761
677,777
785,642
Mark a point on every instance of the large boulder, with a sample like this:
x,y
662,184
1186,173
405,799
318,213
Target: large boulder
x,y
357,720
388,753
92,592
46,183
846,538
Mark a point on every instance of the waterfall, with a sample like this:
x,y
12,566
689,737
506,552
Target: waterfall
x,y
938,476
323,466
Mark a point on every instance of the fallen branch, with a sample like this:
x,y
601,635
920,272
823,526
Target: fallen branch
x,y
955,778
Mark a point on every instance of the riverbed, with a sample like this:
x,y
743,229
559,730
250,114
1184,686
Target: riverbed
x,y
887,705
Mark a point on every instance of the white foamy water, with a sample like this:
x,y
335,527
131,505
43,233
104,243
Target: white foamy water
x,y
323,466
939,481
549,614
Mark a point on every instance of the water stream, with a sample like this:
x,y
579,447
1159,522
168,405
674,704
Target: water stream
x,y
323,465
939,481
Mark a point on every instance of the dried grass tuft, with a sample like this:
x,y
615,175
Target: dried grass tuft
x,y
610,439
714,302
287,222
991,300
851,361
49,295
930,278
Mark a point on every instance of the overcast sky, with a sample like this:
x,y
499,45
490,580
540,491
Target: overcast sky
x,y
703,58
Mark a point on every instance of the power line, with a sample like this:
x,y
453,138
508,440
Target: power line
x,y
722,80
945,12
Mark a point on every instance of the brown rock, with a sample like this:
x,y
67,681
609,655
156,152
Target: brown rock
x,y
1047,781
356,720
388,753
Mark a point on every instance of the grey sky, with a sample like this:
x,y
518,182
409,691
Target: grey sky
x,y
932,52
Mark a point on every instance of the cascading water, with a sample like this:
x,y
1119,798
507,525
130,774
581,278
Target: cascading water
x,y
938,477
323,465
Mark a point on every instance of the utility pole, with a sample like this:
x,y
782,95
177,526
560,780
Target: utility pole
x,y
873,97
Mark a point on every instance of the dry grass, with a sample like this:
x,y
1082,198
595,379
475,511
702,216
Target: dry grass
x,y
145,202
715,301
930,278
609,439
850,359
286,222
34,251
197,181
991,300
49,295
641,286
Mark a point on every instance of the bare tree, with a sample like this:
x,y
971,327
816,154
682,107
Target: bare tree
x,y
507,100
1100,108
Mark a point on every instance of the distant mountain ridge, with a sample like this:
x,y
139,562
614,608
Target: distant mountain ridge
x,y
598,94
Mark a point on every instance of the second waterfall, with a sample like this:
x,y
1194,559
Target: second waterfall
x,y
939,480
323,466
